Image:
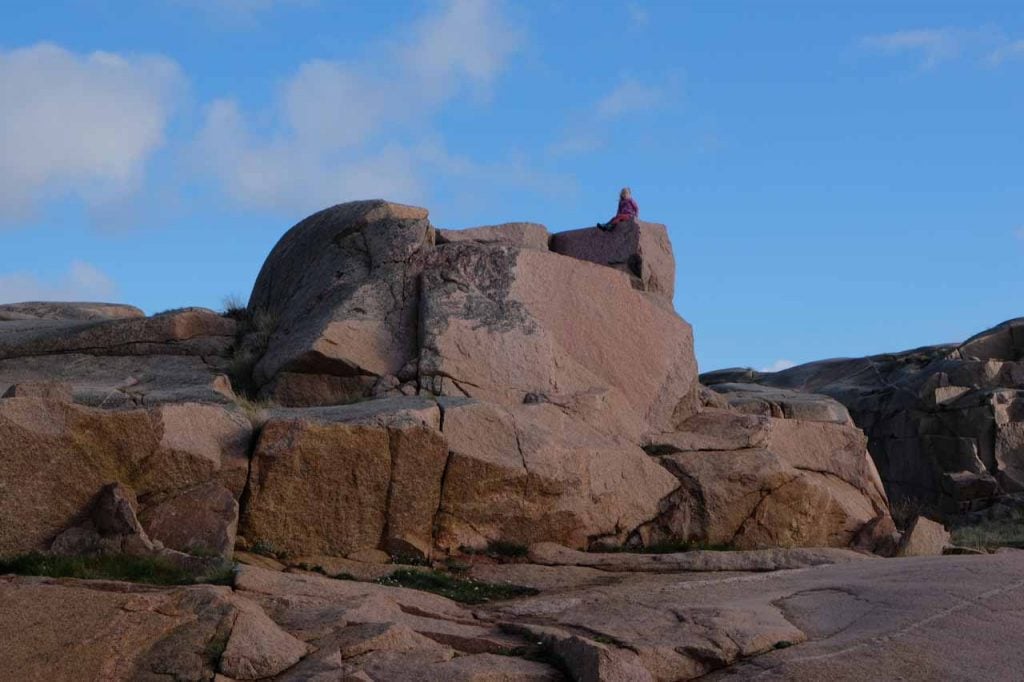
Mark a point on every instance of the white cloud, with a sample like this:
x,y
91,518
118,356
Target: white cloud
x,y
778,366
592,130
82,282
81,124
1014,50
629,96
354,130
934,45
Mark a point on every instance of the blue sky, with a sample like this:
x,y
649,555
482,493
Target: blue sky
x,y
838,178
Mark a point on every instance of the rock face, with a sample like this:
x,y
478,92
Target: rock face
x,y
751,481
339,480
945,423
67,311
57,456
501,324
641,249
532,473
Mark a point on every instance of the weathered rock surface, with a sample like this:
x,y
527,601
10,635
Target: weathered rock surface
x,y
531,473
202,520
945,423
749,481
495,327
57,456
342,288
526,235
348,478
639,248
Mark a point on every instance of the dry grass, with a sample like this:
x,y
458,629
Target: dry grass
x,y
989,535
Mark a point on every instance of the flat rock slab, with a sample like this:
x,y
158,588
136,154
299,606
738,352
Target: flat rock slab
x,y
59,310
933,618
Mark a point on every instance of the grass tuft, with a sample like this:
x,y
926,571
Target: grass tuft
x,y
463,590
123,567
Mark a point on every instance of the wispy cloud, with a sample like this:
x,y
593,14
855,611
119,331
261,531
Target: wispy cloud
x,y
778,366
353,130
1013,50
639,17
630,95
80,124
82,282
932,45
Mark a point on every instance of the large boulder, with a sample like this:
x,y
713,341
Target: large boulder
x,y
504,325
639,248
751,481
341,288
531,473
944,422
55,457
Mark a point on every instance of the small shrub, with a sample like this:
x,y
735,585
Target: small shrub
x,y
906,509
234,307
464,590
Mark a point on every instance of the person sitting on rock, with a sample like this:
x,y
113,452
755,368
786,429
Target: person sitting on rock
x,y
628,210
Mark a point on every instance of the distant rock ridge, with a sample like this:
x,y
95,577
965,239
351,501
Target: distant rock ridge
x,y
945,423
422,392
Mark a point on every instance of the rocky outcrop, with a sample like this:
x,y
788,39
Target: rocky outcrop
x,y
425,392
945,423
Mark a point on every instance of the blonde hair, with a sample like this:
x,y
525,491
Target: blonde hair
x,y
626,192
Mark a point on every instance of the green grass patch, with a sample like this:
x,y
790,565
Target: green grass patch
x,y
991,534
135,569
463,590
